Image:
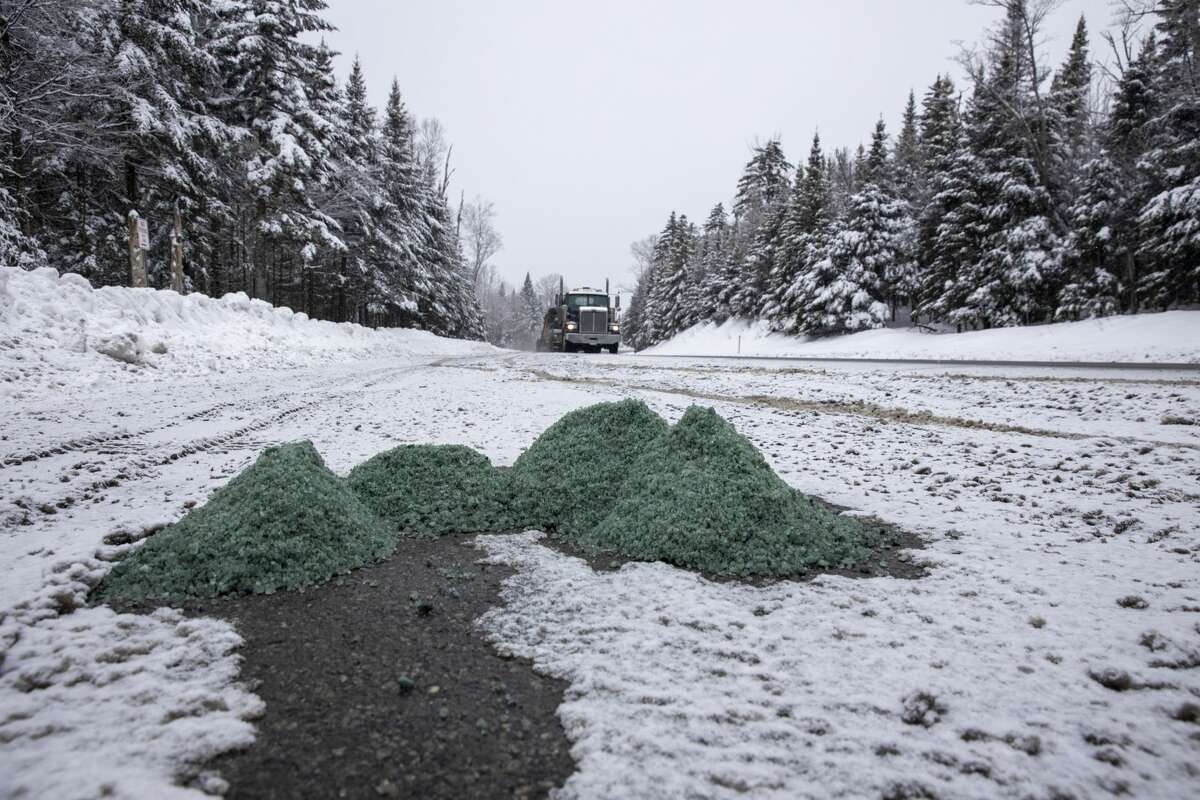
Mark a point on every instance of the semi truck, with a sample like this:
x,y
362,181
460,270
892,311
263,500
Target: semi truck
x,y
582,319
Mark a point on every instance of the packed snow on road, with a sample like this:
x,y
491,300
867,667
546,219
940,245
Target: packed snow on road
x,y
1051,647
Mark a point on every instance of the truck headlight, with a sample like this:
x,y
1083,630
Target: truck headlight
x,y
614,328
571,326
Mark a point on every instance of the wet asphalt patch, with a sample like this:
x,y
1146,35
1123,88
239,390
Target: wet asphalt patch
x,y
378,684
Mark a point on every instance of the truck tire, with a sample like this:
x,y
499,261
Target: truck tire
x,y
614,348
568,347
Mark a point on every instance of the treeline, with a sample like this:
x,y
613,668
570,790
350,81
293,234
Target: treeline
x,y
513,316
1031,199
290,186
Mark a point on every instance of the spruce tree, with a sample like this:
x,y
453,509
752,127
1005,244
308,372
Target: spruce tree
x,y
907,158
1127,138
1016,277
1069,100
269,72
840,292
531,309
802,237
1170,219
759,207
950,228
1093,253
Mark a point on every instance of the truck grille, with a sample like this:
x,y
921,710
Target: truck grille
x,y
593,321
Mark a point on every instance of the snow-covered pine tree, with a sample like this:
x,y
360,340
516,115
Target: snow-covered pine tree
x,y
802,236
652,325
866,262
159,116
1170,219
531,308
665,312
840,292
1126,137
884,220
1016,278
412,276
363,273
272,75
761,198
908,166
1093,252
1070,126
950,229
633,320
707,280
16,248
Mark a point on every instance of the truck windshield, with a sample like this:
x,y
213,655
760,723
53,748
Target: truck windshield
x,y
577,300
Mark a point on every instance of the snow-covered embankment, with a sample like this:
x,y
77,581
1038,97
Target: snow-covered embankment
x,y
1169,337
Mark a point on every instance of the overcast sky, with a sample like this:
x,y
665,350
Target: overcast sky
x,y
586,123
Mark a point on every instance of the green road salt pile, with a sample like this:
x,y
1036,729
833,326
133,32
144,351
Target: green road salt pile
x,y
285,522
613,478
569,479
434,490
703,497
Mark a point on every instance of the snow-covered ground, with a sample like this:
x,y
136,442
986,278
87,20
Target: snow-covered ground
x,y
56,329
1170,337
1060,508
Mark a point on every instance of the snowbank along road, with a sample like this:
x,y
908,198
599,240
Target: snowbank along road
x,y
1054,646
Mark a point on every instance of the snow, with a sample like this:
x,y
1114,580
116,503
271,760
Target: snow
x,y
1046,497
58,328
1168,337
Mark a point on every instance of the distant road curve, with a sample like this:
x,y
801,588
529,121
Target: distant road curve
x,y
1114,365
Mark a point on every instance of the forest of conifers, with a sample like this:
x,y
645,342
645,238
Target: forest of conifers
x,y
1017,193
290,186
1024,194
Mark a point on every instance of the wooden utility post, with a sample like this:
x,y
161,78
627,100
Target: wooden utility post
x,y
177,252
138,242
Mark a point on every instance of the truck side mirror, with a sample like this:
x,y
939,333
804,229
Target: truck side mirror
x,y
618,302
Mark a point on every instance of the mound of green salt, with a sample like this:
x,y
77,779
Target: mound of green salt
x,y
435,490
702,497
285,522
569,479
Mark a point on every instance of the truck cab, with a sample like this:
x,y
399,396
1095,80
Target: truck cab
x,y
582,319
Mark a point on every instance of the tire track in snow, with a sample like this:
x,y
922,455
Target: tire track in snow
x,y
858,408
138,468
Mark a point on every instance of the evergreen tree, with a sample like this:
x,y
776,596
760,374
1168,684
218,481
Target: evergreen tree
x,y
802,235
1093,251
720,257
531,308
269,72
665,311
1016,277
759,207
1069,100
1170,220
840,292
907,158
1127,136
950,228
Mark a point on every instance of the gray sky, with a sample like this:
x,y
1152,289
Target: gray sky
x,y
588,122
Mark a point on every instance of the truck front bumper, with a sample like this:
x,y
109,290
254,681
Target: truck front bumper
x,y
593,339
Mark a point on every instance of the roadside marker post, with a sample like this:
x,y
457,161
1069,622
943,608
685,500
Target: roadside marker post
x,y
139,242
